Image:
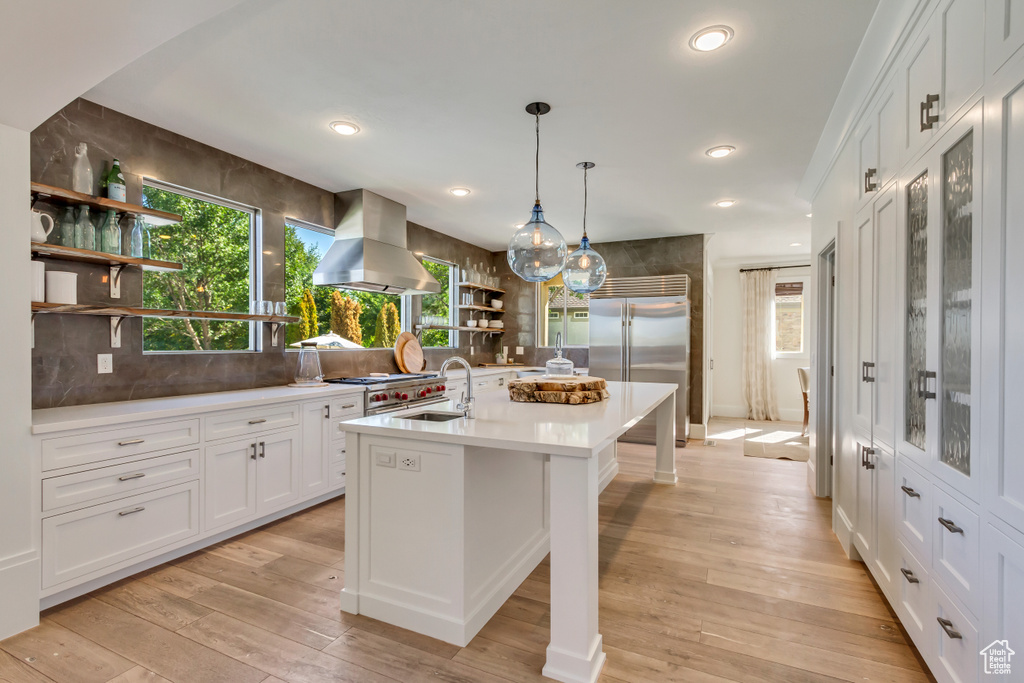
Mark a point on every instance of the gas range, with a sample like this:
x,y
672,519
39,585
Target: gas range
x,y
397,392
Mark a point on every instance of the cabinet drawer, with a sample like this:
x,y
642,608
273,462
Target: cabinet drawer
x,y
78,543
955,547
914,601
914,510
957,656
337,474
83,449
118,480
338,450
251,421
348,407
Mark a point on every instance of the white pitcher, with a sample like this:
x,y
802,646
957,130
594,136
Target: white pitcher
x,y
39,234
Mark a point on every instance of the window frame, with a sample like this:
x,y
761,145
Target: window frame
x,y
255,263
803,354
453,303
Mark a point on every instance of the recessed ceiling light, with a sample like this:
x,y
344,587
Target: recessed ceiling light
x,y
344,128
809,215
796,244
711,38
725,203
459,191
719,152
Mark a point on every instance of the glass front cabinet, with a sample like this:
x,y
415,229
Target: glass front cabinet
x,y
940,255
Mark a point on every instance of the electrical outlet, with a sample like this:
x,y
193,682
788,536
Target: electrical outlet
x,y
386,459
472,350
519,350
409,462
104,363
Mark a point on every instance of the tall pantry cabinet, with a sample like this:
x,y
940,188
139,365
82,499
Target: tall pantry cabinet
x,y
930,475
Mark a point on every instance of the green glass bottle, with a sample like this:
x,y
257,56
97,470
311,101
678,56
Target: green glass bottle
x,y
114,182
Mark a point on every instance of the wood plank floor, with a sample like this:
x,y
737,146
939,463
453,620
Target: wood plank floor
x,y
733,575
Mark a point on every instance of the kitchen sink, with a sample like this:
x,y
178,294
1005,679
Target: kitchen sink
x,y
433,416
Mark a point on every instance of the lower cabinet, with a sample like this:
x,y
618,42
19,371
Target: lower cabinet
x,y
875,535
251,476
1002,587
954,641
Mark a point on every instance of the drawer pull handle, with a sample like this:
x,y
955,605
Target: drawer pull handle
x,y
124,513
910,492
909,576
258,422
953,528
131,442
870,186
327,412
253,456
928,119
127,477
343,451
263,449
348,405
947,626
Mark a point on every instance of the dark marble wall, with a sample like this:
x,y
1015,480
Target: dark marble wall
x,y
629,258
64,357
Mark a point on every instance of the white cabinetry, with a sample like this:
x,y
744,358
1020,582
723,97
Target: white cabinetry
x,y
1004,33
878,143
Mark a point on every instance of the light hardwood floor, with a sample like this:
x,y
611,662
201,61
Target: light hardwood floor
x,y
733,575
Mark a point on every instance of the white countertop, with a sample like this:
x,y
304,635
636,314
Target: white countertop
x,y
552,428
48,420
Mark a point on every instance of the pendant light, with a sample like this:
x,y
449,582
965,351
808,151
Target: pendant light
x,y
585,269
537,251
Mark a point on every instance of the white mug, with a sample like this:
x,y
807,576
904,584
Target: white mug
x,y
38,281
61,287
39,233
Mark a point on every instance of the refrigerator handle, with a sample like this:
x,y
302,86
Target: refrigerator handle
x,y
627,333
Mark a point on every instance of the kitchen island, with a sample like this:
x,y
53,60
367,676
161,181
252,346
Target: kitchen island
x,y
444,519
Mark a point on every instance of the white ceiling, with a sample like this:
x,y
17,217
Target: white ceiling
x,y
439,88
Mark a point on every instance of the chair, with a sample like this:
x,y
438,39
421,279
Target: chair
x,y
804,375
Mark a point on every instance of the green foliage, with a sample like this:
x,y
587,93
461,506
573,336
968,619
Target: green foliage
x,y
309,326
345,317
212,244
387,326
437,304
300,260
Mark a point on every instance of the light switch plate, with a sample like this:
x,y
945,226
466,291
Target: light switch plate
x,y
519,350
386,459
104,363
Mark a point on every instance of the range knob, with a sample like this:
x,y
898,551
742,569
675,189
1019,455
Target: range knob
x,y
398,395
405,397
375,397
441,388
427,390
423,393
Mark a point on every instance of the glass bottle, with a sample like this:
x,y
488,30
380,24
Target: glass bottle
x,y
65,233
85,233
308,370
135,242
81,171
110,234
114,182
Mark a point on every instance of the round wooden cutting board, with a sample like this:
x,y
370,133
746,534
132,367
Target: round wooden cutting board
x,y
400,343
412,355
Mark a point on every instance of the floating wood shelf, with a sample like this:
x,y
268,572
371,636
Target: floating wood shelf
x,y
477,307
59,195
88,256
486,288
132,312
484,330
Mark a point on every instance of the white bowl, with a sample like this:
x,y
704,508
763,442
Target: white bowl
x,y
482,322
497,303
470,323
496,324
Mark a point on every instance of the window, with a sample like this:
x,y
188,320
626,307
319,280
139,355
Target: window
x,y
361,318
789,318
214,243
440,305
562,310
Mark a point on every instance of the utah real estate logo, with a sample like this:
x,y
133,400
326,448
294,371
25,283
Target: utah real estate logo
x,y
997,657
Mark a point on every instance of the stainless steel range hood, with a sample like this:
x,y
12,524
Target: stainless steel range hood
x,y
369,252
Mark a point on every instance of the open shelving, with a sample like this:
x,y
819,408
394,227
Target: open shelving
x,y
63,197
88,256
462,328
476,285
477,307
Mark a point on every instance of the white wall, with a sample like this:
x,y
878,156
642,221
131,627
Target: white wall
x,y
19,563
727,348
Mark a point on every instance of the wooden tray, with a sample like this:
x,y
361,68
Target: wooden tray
x,y
569,390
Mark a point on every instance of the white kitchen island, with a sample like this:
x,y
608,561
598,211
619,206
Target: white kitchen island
x,y
444,520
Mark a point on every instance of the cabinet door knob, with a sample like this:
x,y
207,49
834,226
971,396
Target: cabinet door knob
x,y
950,526
909,576
910,492
922,384
928,120
947,626
865,371
327,412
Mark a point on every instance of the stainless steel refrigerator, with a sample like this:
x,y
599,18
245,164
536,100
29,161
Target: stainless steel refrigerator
x,y
640,332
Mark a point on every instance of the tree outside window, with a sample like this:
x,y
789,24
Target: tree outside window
x,y
214,244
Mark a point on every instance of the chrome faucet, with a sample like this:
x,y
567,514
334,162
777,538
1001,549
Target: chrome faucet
x,y
467,401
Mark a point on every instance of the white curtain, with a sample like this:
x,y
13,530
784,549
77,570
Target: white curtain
x,y
758,344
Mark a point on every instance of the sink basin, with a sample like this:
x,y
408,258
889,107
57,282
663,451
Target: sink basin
x,y
433,416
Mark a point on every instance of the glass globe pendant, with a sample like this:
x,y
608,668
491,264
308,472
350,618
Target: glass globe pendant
x,y
537,251
585,270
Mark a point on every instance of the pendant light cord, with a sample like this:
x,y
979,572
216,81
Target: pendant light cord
x,y
536,161
585,202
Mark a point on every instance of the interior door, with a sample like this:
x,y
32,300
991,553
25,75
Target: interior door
x,y
658,350
865,264
607,336
885,374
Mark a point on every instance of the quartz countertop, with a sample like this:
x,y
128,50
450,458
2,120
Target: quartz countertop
x,y
552,428
48,420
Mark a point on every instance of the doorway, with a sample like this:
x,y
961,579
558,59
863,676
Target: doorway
x,y
824,379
